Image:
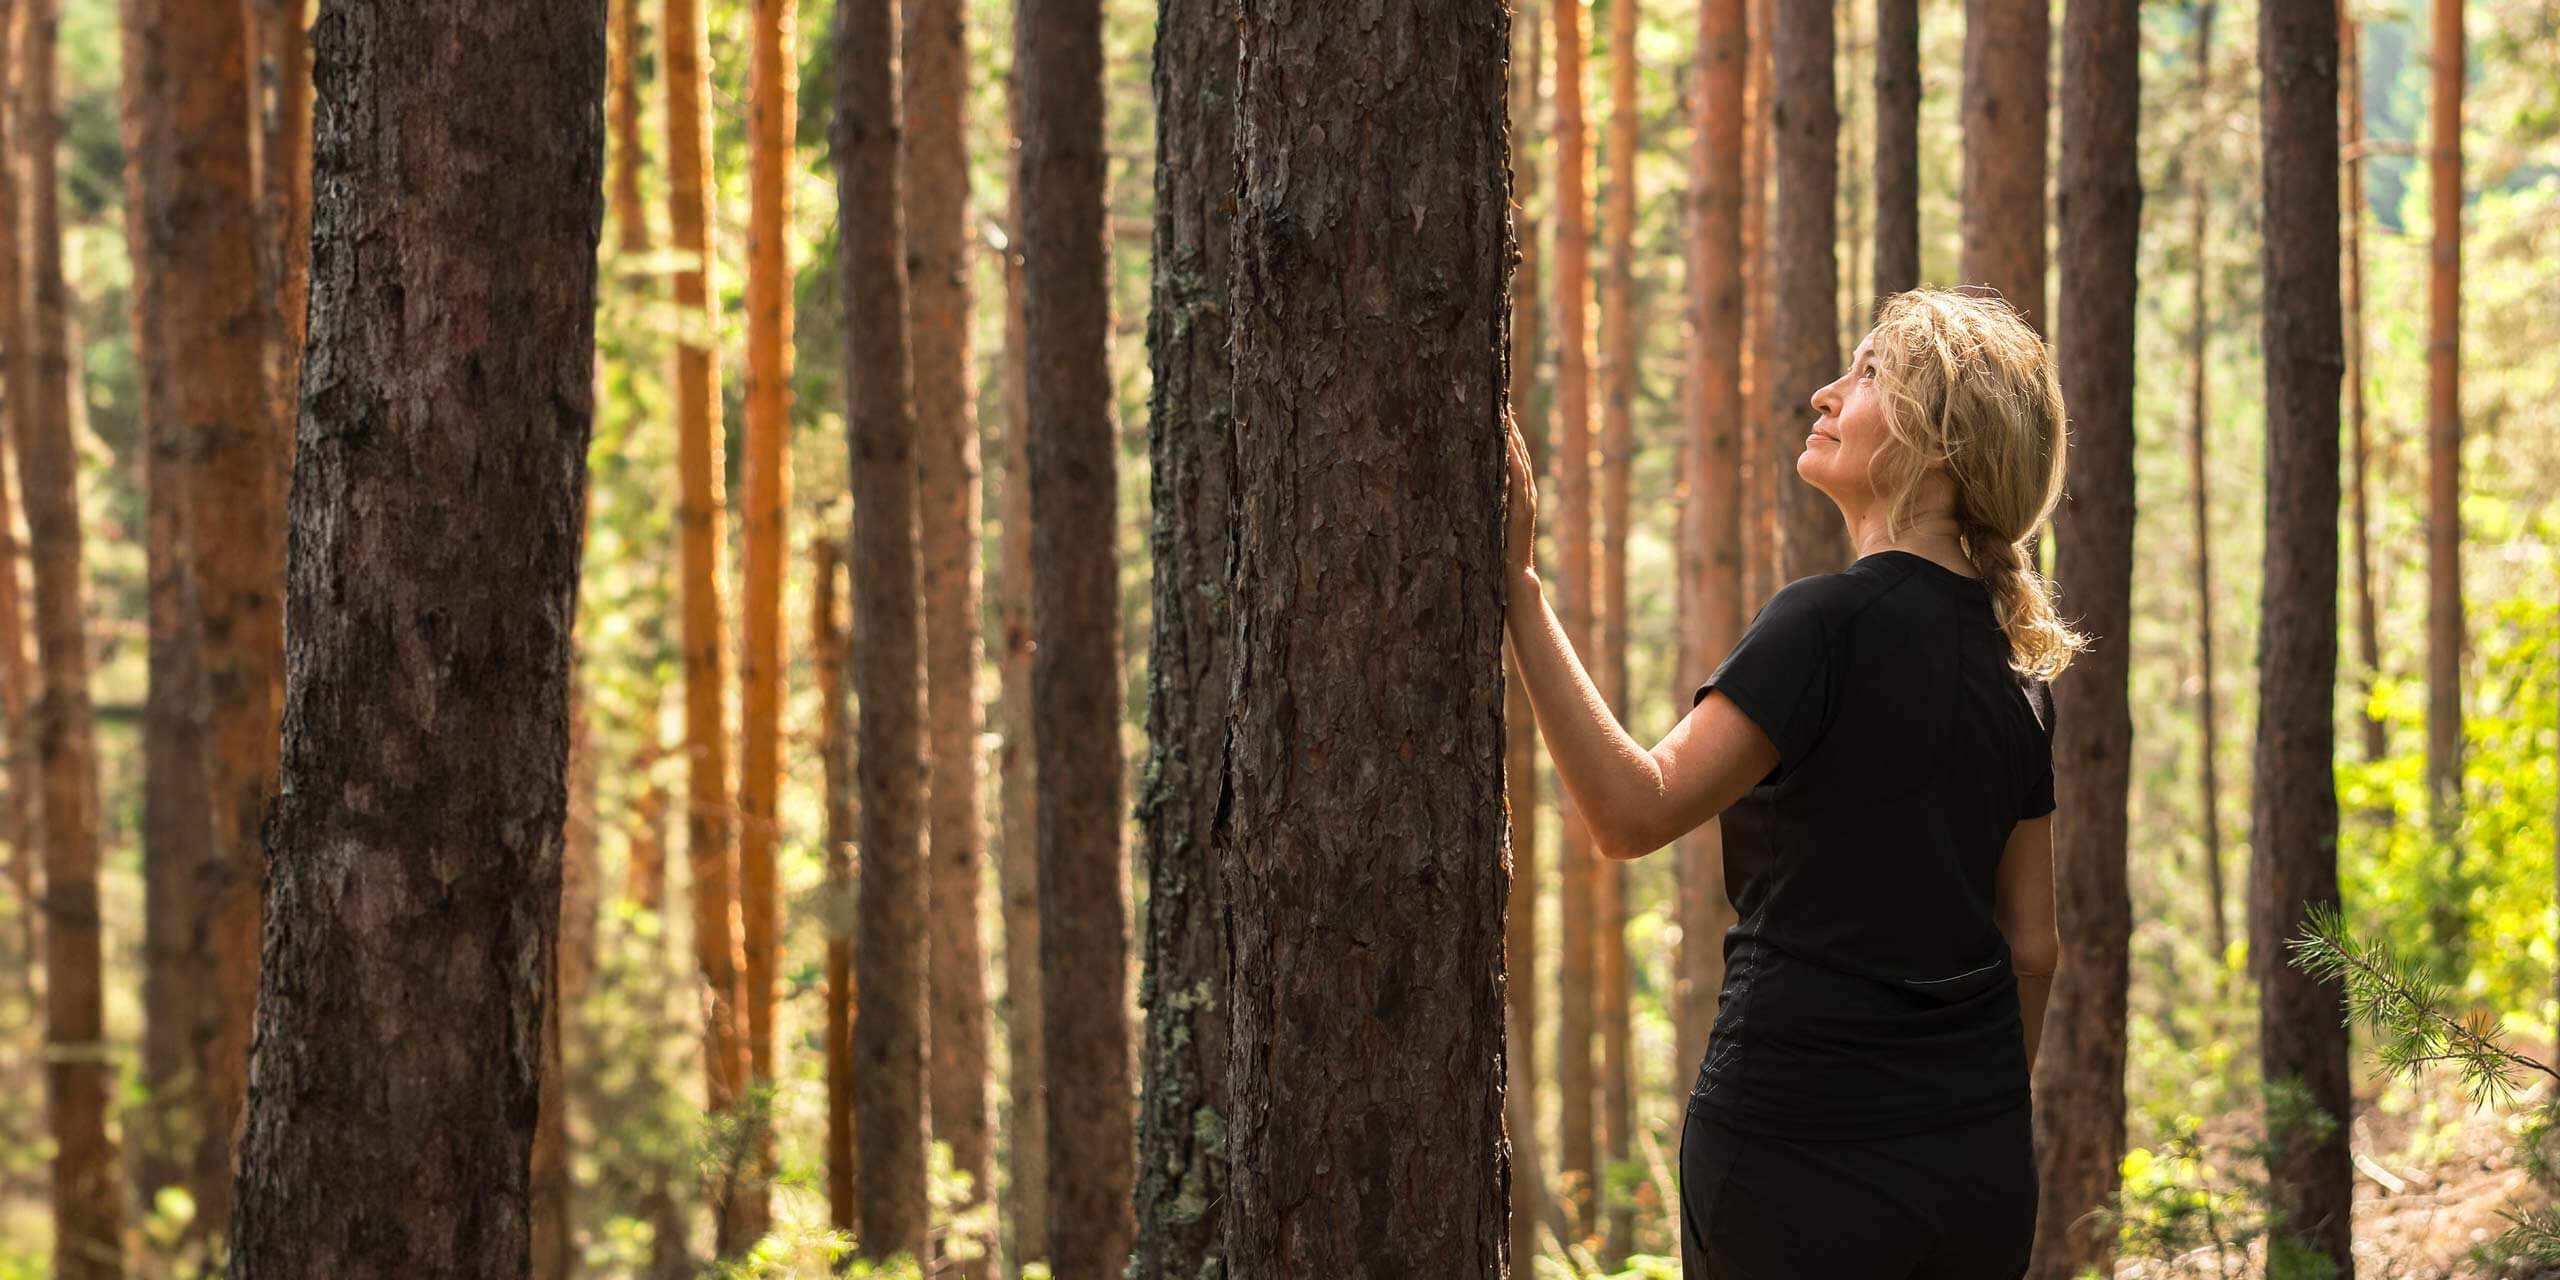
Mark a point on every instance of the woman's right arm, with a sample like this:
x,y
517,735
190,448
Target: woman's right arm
x,y
2026,917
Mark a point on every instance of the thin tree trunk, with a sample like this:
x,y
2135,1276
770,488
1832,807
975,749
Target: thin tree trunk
x,y
1075,622
1760,535
1182,1172
2008,62
765,473
2368,622
700,517
1578,992
1715,481
2301,1024
2444,450
1027,1135
18,691
622,116
282,159
432,584
1368,1029
554,1228
2080,1097
934,57
888,636
1804,280
1617,415
1853,306
828,645
1520,729
87,1198
1897,84
2199,422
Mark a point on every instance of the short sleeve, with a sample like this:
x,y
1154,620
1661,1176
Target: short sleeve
x,y
2040,787
1779,673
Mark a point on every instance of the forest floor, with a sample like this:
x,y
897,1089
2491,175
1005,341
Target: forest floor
x,y
2434,1176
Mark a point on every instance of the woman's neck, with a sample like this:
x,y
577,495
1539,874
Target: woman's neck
x,y
1931,535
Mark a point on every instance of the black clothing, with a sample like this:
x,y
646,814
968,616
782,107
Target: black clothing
x,y
1867,988
1951,1204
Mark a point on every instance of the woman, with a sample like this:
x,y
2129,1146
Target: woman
x,y
1879,747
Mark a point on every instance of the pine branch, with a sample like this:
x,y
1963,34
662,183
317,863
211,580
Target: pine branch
x,y
2409,1010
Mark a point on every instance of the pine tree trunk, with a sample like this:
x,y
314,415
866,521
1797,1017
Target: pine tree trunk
x,y
888,639
1520,728
765,474
1760,547
18,690
1617,415
2368,623
1367,1024
828,646
87,1197
1075,624
622,116
1897,162
2008,64
2080,1097
2444,449
216,519
431,587
2199,423
1715,481
1027,1076
282,156
2301,1023
1804,333
1578,994
1182,1174
700,517
934,57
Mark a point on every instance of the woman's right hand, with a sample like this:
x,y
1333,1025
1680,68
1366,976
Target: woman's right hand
x,y
1520,523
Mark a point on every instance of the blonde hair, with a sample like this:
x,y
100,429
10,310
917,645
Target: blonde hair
x,y
1968,388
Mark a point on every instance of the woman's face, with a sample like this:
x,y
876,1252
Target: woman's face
x,y
1848,435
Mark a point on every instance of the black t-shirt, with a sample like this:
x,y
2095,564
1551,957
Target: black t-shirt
x,y
1867,985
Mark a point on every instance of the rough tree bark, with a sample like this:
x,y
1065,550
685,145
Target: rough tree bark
x,y
1578,976
888,638
2294,824
1715,481
1026,1083
765,473
2008,64
1182,1174
2080,1102
87,1200
1804,270
700,518
1075,624
1366,869
1897,162
935,58
432,581
217,512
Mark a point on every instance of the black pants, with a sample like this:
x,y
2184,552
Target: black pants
x,y
1950,1204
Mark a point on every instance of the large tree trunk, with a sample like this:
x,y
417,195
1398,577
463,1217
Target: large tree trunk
x,y
2198,423
829,647
1578,978
1075,623
1804,280
87,1199
888,636
1362,834
2008,63
772,116
431,586
2301,1020
216,520
2444,454
1520,727
1897,160
700,517
2080,1101
1715,482
1026,1076
2368,621
1182,1170
935,59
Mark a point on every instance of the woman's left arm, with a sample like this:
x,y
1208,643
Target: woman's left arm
x,y
1633,801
